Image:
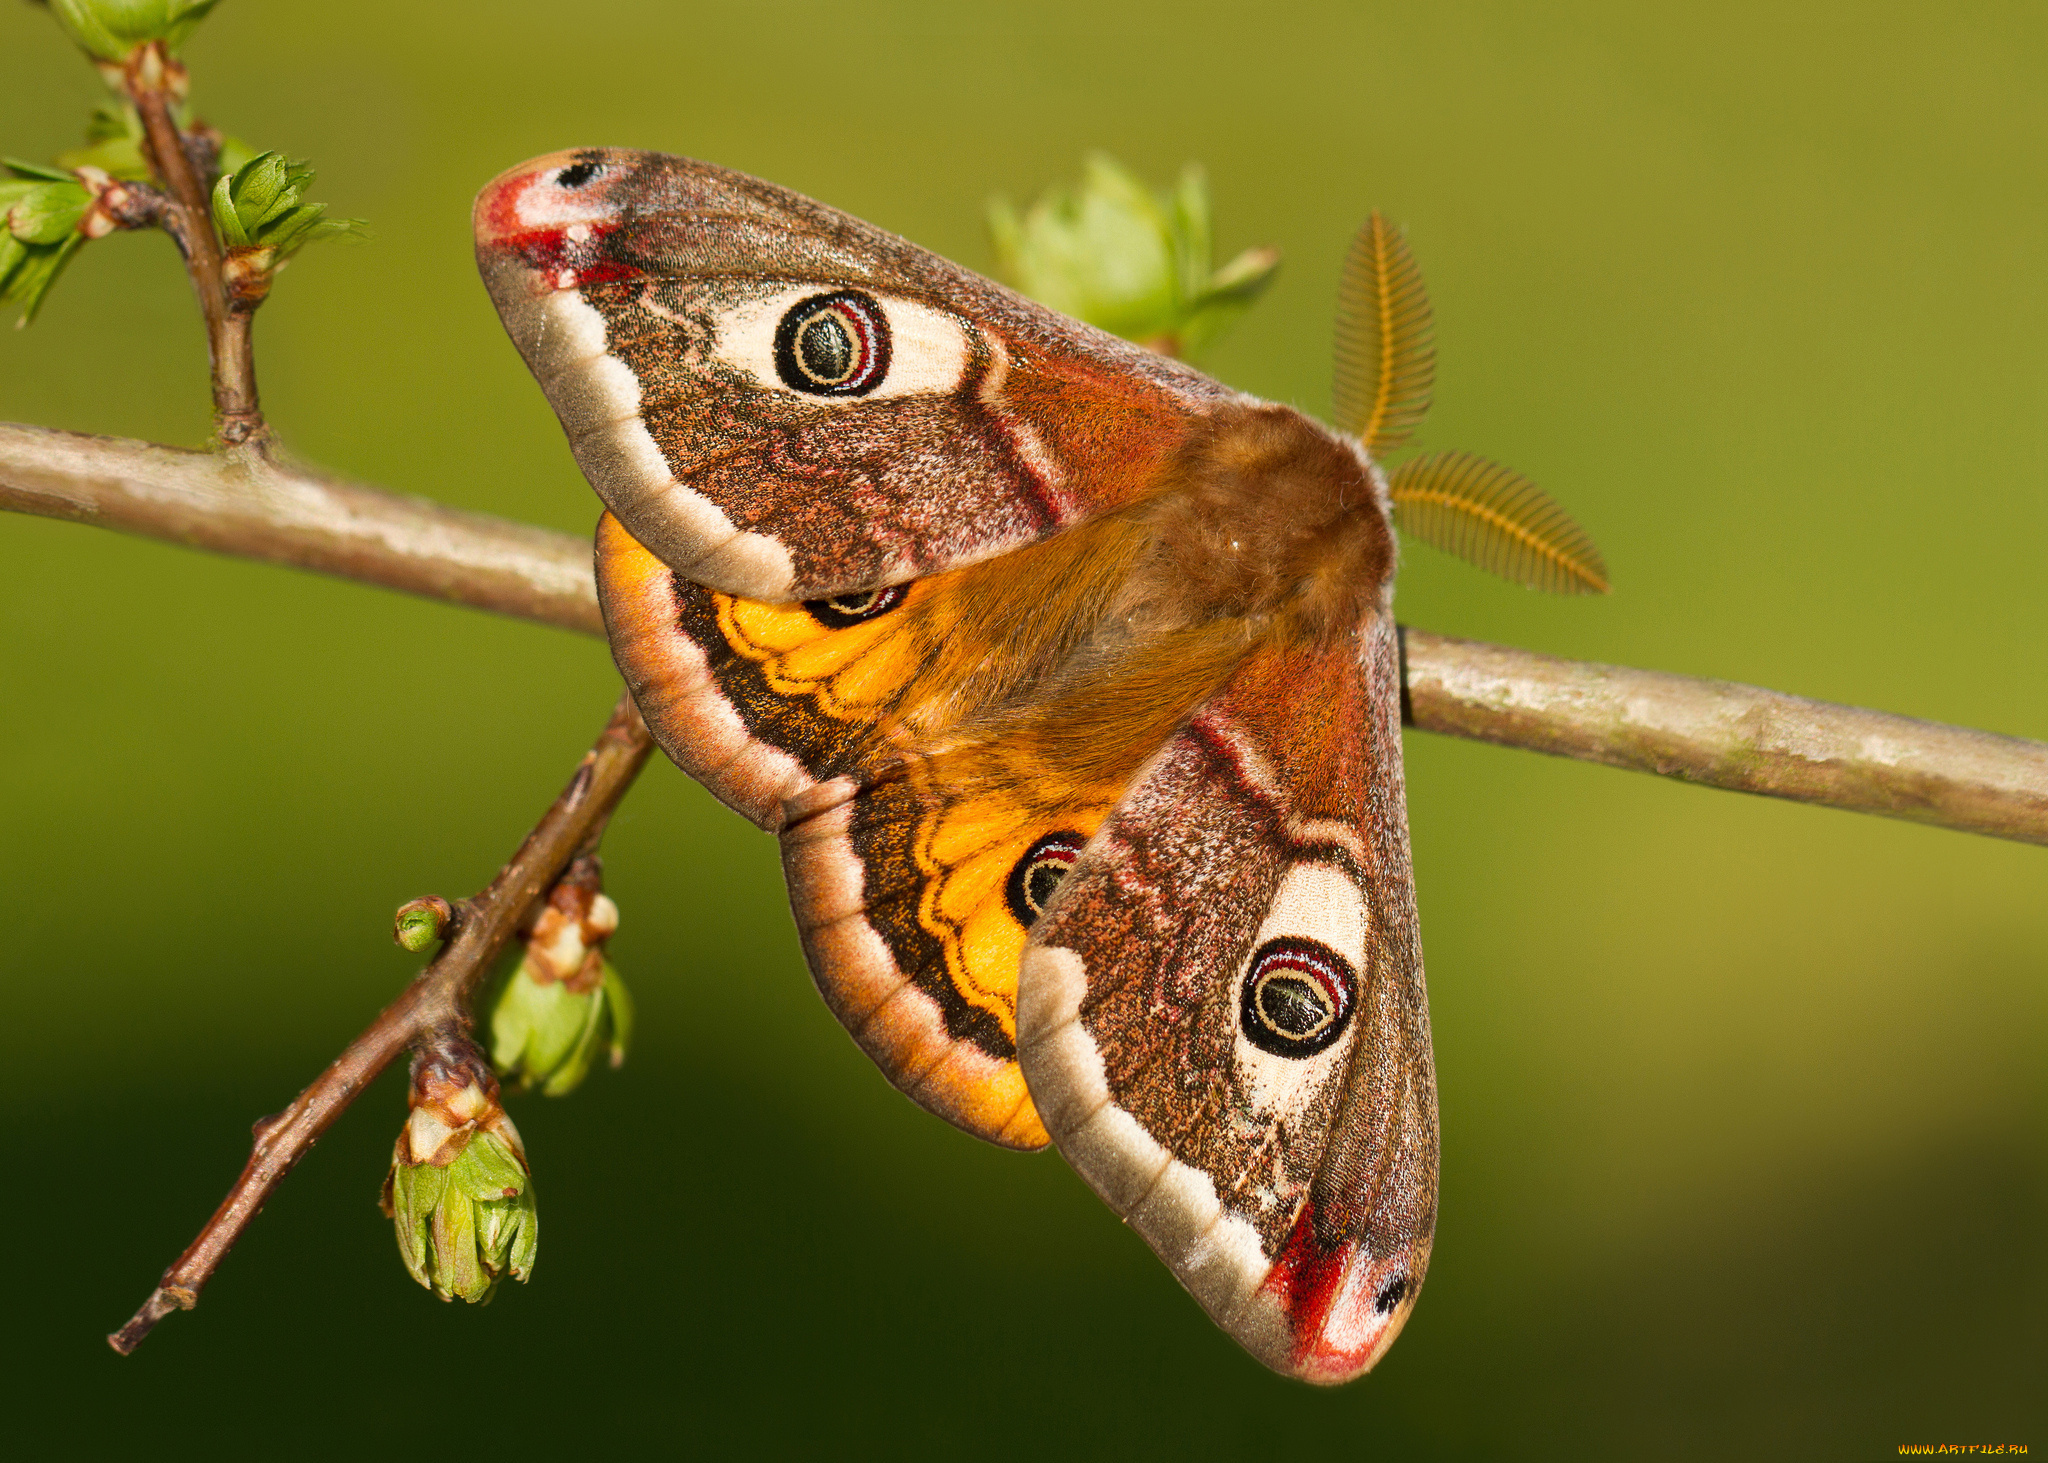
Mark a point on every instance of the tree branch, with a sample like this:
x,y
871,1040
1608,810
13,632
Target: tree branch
x,y
154,80
433,1011
1714,733
251,505
1723,734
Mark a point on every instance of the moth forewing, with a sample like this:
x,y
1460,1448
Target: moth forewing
x,y
898,417
1377,1190
1248,909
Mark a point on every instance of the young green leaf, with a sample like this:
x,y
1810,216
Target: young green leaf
x,y
40,210
1229,293
1136,262
43,213
37,171
261,206
112,30
28,270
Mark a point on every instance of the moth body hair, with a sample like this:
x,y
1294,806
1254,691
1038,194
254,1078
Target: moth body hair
x,y
1105,639
1017,619
1267,516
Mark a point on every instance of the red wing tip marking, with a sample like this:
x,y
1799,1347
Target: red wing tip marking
x,y
1343,1308
556,232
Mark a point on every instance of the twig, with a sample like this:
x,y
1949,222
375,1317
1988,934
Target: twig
x,y
1713,733
238,418
434,1008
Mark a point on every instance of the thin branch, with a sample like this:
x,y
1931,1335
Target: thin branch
x,y
433,1009
1713,733
151,79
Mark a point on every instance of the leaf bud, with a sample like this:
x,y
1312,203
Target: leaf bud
x,y
114,30
261,212
420,924
459,1191
1115,253
564,1002
41,214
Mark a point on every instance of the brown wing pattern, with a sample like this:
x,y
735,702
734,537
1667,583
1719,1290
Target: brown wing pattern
x,y
909,869
1223,1019
742,694
653,297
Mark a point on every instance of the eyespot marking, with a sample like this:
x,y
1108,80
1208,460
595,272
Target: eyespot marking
x,y
578,173
853,609
1298,997
833,344
1038,873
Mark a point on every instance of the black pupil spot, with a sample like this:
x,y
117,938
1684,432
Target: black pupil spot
x,y
1297,998
826,348
853,609
1390,1295
833,345
1293,1006
1034,877
577,174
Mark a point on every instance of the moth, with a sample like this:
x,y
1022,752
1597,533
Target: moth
x,y
1068,678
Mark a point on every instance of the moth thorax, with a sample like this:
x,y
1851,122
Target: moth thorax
x,y
1269,515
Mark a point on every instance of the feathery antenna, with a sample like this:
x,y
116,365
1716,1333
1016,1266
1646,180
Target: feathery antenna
x,y
1495,518
1386,349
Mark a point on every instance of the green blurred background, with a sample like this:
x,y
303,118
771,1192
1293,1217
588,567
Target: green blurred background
x,y
1743,1102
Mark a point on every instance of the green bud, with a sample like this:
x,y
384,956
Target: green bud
x,y
619,1005
459,1192
546,1034
420,924
564,1002
1118,255
261,205
42,205
112,30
